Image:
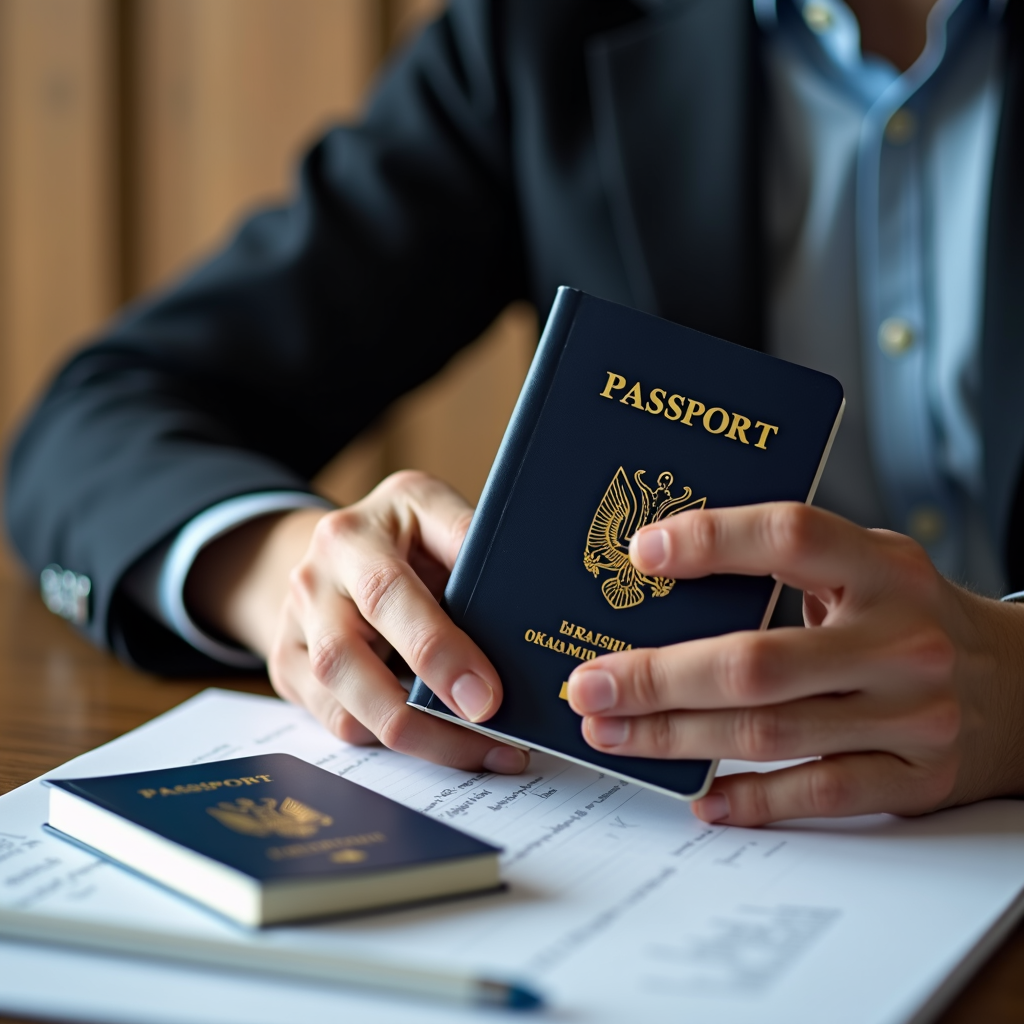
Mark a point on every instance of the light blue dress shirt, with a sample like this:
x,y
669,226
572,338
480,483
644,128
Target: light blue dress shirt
x,y
876,189
876,196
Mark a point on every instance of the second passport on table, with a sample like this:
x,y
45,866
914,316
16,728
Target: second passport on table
x,y
625,419
270,838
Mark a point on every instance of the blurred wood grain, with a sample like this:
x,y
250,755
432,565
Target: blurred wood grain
x,y
59,186
134,134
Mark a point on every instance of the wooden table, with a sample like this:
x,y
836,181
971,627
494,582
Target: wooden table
x,y
60,697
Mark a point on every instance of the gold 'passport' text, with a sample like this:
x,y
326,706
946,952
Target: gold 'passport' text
x,y
688,411
205,787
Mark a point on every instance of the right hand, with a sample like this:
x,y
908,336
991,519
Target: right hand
x,y
326,596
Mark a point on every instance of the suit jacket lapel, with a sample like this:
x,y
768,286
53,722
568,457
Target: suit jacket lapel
x,y
1003,340
675,108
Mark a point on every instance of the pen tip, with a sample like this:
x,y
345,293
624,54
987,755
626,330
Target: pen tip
x,y
523,999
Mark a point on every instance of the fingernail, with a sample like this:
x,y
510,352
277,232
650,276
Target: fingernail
x,y
505,760
609,732
650,547
472,696
713,807
592,691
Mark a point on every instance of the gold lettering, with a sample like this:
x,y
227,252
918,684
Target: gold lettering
x,y
576,650
204,787
324,845
693,408
707,420
676,408
765,428
739,428
633,397
659,404
615,383
563,693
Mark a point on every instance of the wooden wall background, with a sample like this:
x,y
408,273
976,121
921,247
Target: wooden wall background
x,y
134,133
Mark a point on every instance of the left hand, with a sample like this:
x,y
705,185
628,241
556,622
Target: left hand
x,y
907,689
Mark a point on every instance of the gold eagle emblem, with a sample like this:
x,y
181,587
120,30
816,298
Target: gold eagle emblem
x,y
292,820
617,518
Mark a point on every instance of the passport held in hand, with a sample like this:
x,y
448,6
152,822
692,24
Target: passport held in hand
x,y
624,420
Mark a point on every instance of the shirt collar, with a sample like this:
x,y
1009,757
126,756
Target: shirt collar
x,y
766,11
836,51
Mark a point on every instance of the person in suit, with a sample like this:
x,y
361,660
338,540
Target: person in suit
x,y
837,183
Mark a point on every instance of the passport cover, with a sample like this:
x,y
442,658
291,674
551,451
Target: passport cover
x,y
624,419
275,817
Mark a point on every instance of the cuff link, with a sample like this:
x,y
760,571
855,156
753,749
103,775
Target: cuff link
x,y
66,593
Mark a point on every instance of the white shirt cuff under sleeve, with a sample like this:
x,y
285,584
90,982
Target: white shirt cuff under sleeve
x,y
157,582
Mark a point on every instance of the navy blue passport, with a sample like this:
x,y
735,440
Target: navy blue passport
x,y
625,419
270,838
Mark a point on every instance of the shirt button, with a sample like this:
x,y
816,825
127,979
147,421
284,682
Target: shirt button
x,y
818,17
926,524
895,336
900,127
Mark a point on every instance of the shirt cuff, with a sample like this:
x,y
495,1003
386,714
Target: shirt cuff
x,y
157,582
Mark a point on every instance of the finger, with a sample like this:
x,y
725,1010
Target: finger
x,y
367,566
806,547
807,728
292,677
429,512
343,664
758,668
829,788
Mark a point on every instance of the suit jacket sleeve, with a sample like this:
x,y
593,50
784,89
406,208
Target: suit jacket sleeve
x,y
401,244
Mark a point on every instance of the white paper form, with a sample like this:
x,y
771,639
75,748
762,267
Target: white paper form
x,y
621,905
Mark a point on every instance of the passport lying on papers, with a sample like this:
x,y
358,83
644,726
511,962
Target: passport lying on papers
x,y
625,419
270,838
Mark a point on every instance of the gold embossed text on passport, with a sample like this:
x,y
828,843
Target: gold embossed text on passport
x,y
576,644
689,412
621,513
593,637
333,845
205,787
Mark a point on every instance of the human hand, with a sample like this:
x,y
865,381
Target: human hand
x,y
909,689
326,596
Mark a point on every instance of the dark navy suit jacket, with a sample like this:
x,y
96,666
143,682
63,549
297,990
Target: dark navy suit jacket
x,y
611,145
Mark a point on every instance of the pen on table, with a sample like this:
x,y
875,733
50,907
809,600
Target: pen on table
x,y
364,972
